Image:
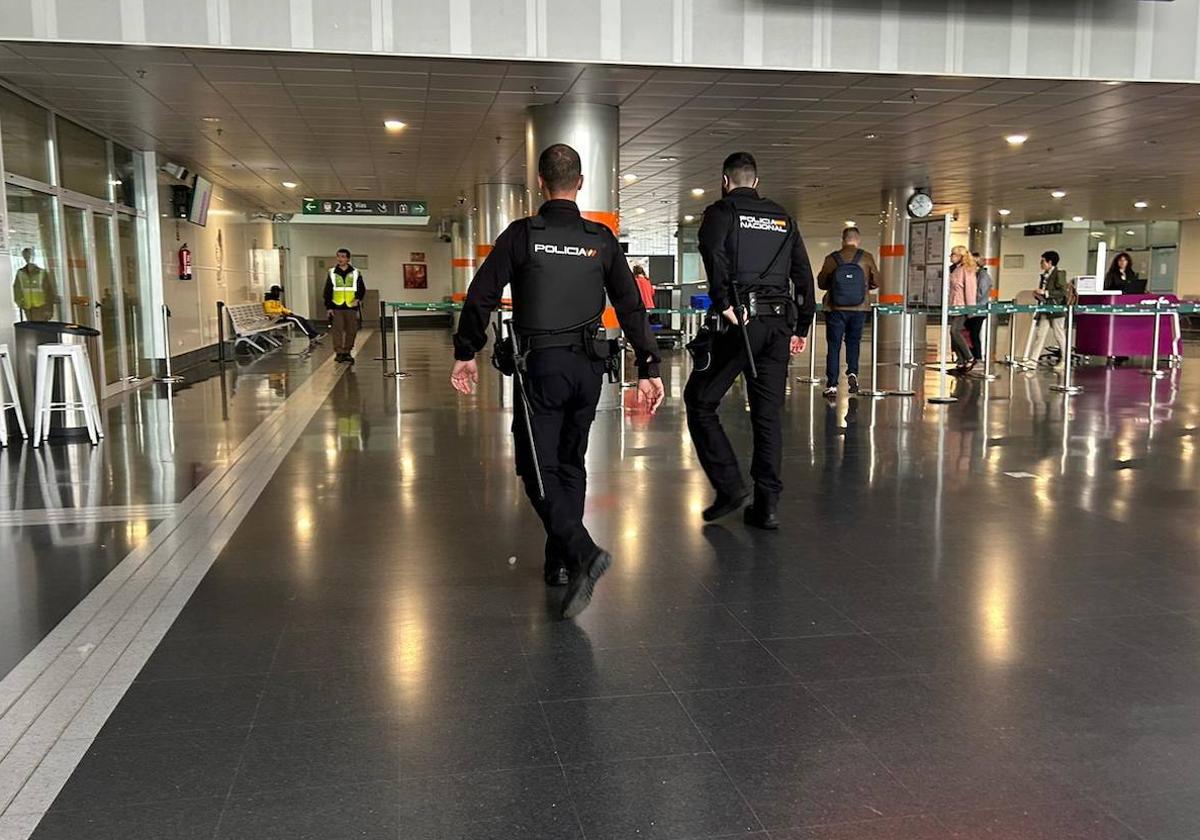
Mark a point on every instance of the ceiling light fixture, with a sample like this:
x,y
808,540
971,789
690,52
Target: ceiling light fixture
x,y
668,158
630,177
210,119
1113,84
697,191
689,218
1141,205
1005,212
871,136
289,185
640,210
1016,139
1097,234
1058,194
850,223
1131,233
1077,218
394,125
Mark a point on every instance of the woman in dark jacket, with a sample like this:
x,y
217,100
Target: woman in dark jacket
x,y
1122,278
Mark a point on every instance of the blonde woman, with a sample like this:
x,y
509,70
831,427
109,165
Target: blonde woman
x,y
963,292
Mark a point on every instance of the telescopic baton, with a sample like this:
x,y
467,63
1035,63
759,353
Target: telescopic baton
x,y
519,379
739,312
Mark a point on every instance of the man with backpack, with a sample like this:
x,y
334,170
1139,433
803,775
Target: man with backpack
x,y
847,277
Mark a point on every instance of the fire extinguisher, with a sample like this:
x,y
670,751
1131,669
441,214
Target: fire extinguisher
x,y
185,263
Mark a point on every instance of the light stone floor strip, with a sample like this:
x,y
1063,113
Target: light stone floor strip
x,y
54,703
70,516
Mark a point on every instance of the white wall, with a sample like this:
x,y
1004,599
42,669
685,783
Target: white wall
x,y
1071,244
388,249
223,267
1188,282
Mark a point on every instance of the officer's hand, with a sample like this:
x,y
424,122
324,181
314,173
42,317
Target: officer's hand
x,y
797,345
464,377
730,316
651,392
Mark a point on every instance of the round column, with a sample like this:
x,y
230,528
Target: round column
x,y
893,262
462,252
592,130
496,207
985,238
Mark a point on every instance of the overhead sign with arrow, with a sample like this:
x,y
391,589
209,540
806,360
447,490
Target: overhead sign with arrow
x,y
364,207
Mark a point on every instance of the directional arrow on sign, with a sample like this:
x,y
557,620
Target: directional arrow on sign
x,y
310,206
418,209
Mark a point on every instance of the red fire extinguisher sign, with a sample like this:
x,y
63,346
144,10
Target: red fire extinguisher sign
x,y
185,263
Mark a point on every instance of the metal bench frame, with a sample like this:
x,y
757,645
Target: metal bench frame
x,y
251,325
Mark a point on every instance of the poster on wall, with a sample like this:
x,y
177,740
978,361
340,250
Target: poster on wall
x,y
415,276
935,243
416,256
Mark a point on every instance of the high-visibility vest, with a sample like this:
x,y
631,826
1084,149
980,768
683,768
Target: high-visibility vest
x,y
33,290
344,287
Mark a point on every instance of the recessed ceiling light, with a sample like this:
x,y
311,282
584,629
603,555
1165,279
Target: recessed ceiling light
x,y
1113,84
210,119
630,177
1141,205
850,223
640,210
668,158
394,125
1005,212
1131,233
1058,194
290,185
697,191
1077,218
689,218
1097,234
871,136
1016,139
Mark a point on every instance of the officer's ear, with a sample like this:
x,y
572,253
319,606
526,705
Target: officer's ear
x,y
755,183
726,184
542,188
579,184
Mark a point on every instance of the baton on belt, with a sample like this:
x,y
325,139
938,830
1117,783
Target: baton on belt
x,y
519,379
740,313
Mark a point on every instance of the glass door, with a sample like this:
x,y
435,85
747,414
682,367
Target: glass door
x,y
108,302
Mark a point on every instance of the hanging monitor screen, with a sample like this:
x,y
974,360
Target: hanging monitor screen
x,y
201,196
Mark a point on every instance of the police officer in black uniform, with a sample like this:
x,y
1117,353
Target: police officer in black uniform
x,y
560,266
760,281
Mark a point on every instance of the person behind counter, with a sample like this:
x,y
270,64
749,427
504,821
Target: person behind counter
x,y
1122,278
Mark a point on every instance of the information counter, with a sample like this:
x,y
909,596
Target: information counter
x,y
1121,333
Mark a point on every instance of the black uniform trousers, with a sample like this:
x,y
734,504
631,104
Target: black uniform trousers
x,y
769,340
563,388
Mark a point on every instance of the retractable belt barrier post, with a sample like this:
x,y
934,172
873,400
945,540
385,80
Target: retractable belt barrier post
x,y
874,392
1011,358
220,360
1067,388
169,377
987,343
1154,370
383,351
812,378
904,380
397,373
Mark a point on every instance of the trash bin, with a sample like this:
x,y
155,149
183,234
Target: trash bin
x,y
31,334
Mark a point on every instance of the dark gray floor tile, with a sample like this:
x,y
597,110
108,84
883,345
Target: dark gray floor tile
x,y
158,706
213,655
146,769
827,783
762,716
466,738
1159,816
530,803
329,695
837,657
615,728
600,673
366,811
1059,821
185,820
321,754
718,665
894,706
1108,764
659,799
793,619
901,828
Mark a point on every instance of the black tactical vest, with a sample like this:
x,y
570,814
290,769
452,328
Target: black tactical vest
x,y
762,235
561,286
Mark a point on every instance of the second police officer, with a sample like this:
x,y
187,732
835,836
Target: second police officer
x,y
560,266
761,285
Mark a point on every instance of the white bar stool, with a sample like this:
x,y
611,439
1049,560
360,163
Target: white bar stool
x,y
75,363
13,400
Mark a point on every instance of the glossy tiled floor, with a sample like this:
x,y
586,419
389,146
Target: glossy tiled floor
x,y
978,621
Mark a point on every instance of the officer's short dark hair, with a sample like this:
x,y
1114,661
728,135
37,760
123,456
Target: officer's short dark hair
x,y
740,168
849,231
1051,257
560,167
345,251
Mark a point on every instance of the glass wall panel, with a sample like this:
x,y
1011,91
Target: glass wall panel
x,y
136,316
33,254
124,182
110,301
25,136
82,160
79,288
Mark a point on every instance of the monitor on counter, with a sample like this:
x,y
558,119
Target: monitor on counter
x,y
202,189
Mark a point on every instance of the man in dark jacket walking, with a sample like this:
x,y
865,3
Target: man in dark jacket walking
x,y
344,290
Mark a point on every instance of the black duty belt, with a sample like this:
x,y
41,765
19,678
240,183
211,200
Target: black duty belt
x,y
768,305
548,341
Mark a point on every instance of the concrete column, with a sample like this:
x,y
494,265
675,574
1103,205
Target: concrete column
x,y
893,261
592,130
462,252
984,237
496,207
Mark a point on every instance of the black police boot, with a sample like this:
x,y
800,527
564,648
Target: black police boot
x,y
583,582
761,514
725,504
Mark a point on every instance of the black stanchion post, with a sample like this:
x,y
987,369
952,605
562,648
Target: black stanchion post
x,y
383,347
220,360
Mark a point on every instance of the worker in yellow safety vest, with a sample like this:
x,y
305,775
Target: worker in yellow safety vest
x,y
33,290
344,290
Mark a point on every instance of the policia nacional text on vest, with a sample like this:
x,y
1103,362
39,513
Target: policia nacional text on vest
x,y
757,263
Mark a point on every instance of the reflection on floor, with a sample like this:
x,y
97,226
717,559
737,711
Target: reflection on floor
x,y
979,620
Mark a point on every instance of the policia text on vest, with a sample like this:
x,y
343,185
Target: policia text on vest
x,y
344,290
560,266
760,281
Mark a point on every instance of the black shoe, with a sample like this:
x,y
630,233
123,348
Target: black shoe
x,y
349,359
557,576
725,504
767,519
852,382
579,590
340,357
